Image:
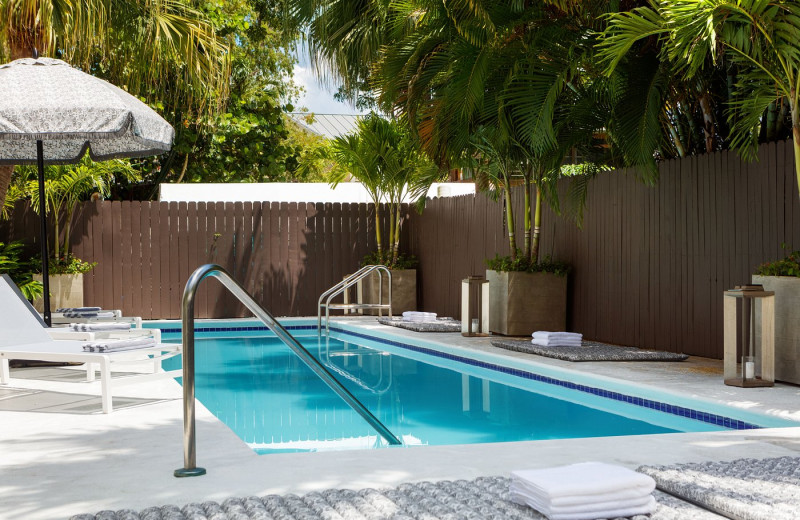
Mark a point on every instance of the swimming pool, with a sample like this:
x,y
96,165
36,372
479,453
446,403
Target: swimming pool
x,y
269,398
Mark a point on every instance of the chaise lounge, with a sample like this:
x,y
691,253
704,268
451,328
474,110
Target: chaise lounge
x,y
23,336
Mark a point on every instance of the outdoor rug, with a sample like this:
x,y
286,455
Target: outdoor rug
x,y
588,351
744,489
482,498
440,325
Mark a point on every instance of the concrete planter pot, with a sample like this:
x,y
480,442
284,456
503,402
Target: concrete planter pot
x,y
787,325
66,290
522,303
404,291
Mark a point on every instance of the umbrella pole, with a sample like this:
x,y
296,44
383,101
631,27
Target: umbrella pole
x,y
43,222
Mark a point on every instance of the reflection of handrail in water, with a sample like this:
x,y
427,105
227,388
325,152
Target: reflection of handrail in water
x,y
354,378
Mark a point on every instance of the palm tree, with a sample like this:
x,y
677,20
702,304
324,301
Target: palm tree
x,y
499,81
67,185
387,162
756,40
135,43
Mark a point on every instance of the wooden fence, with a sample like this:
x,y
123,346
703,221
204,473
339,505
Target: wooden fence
x,y
285,254
650,263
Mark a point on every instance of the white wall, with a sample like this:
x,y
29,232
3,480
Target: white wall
x,y
288,192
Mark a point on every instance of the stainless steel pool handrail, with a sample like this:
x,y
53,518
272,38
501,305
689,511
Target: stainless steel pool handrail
x,y
190,468
348,282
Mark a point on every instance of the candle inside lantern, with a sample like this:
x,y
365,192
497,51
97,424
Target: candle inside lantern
x,y
475,324
749,370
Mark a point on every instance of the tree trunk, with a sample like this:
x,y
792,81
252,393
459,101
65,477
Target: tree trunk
x,y
512,239
378,241
708,121
796,137
399,217
5,181
537,223
527,238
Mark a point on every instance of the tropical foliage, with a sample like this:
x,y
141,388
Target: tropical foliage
x,y
737,62
64,187
20,270
385,159
497,88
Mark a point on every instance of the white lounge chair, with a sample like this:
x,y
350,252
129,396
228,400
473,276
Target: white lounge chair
x,y
23,336
58,318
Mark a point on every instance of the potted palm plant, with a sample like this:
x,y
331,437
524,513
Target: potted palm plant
x,y
384,158
525,294
65,186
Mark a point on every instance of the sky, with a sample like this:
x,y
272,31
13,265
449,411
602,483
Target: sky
x,y
317,98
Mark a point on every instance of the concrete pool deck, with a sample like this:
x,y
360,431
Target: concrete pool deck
x,y
59,456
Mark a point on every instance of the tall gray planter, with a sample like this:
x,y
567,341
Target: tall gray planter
x,y
66,290
522,303
404,291
787,325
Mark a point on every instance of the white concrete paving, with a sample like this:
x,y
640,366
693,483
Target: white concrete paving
x,y
59,456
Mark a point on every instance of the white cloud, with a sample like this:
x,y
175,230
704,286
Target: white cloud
x,y
316,97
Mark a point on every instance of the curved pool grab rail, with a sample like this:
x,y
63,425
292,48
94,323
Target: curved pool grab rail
x,y
190,468
348,282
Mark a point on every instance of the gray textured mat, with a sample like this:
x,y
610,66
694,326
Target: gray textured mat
x,y
588,351
482,498
440,325
745,489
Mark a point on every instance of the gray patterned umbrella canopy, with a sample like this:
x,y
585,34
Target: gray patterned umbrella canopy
x,y
52,113
72,112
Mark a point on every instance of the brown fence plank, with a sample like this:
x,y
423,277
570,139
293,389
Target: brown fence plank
x,y
135,239
165,260
147,292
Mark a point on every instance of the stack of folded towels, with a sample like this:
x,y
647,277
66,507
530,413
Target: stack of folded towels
x,y
117,345
557,339
585,491
85,312
99,327
419,316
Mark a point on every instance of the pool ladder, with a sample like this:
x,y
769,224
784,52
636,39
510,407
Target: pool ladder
x,y
190,468
345,284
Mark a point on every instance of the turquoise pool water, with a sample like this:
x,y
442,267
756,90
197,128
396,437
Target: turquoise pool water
x,y
269,398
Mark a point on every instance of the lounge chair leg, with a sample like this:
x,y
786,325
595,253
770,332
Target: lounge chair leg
x,y
105,382
5,374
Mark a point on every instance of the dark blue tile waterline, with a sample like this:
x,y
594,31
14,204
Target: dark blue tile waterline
x,y
710,418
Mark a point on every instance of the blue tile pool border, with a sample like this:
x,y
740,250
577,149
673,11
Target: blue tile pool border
x,y
681,411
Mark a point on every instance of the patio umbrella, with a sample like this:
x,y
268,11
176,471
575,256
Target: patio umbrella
x,y
52,113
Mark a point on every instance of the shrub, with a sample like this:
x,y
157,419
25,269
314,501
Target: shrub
x,y
789,266
522,264
70,265
402,261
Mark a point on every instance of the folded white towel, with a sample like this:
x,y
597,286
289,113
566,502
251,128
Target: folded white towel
x,y
556,342
586,478
623,495
120,344
543,334
89,314
419,316
644,509
99,327
603,502
78,309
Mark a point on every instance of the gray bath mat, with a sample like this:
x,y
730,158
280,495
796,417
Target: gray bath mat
x,y
588,351
744,489
485,497
440,325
